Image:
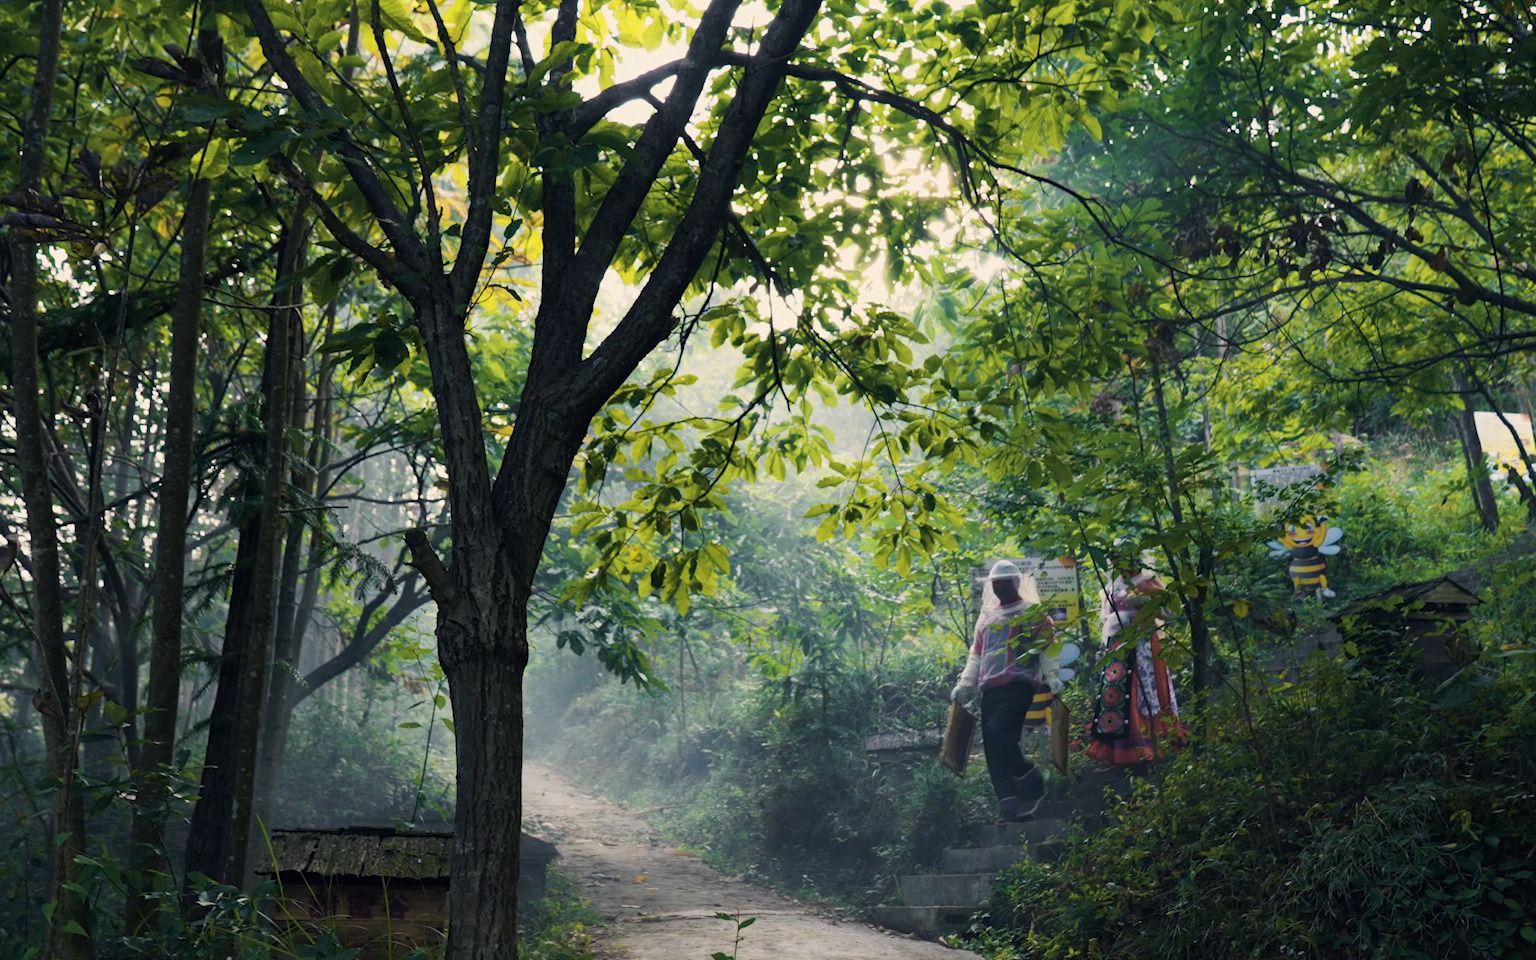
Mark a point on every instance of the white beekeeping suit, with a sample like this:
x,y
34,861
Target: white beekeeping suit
x,y
996,643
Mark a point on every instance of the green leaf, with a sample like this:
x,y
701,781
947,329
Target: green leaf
x,y
198,108
210,162
284,20
1091,124
397,15
390,349
259,148
558,54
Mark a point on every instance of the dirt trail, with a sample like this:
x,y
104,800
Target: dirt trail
x,y
660,903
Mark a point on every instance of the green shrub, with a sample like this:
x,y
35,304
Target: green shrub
x,y
340,769
557,927
788,793
1362,816
771,778
934,811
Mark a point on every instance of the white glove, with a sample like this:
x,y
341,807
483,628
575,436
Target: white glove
x,y
967,688
1050,672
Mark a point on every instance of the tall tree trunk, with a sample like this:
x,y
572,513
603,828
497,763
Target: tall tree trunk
x,y
283,335
482,634
125,610
218,839
320,446
1483,497
208,839
54,701
288,638
485,683
147,853
303,616
153,431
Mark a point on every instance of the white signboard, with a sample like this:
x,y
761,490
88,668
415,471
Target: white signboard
x,y
1277,479
1285,476
1499,442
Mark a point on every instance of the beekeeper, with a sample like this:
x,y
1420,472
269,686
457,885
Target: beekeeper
x,y
1007,668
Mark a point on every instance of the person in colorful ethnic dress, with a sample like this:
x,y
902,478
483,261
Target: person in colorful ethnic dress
x,y
1007,671
1136,716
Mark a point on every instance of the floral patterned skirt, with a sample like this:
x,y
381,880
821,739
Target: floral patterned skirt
x,y
1136,717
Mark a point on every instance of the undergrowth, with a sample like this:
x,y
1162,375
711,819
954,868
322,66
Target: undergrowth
x,y
773,783
560,926
1361,815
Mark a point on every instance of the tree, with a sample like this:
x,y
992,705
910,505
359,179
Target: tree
x,y
1380,239
222,820
56,700
162,701
464,178
649,203
1274,239
498,529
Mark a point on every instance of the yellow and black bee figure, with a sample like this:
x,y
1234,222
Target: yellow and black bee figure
x,y
1308,543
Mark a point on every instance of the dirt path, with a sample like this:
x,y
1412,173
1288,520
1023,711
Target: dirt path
x,y
661,903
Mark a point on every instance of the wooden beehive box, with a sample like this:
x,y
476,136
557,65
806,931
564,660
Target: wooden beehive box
x,y
1430,615
377,889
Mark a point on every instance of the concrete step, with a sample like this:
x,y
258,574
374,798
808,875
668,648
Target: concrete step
x,y
1050,851
1017,834
945,888
923,921
1061,806
981,859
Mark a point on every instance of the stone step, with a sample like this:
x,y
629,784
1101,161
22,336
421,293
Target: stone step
x,y
1050,851
923,921
1061,806
945,888
1017,834
981,859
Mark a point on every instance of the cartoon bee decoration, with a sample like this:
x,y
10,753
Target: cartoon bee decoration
x,y
1308,543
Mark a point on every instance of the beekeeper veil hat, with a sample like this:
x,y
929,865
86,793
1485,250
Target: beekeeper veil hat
x,y
1002,571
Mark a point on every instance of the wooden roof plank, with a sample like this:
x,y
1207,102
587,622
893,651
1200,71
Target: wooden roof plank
x,y
375,853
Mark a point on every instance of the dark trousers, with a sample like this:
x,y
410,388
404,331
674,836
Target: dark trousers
x,y
1002,722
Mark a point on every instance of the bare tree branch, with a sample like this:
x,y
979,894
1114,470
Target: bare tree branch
x,y
407,245
584,117
649,318
426,561
560,327
484,158
387,266
364,639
